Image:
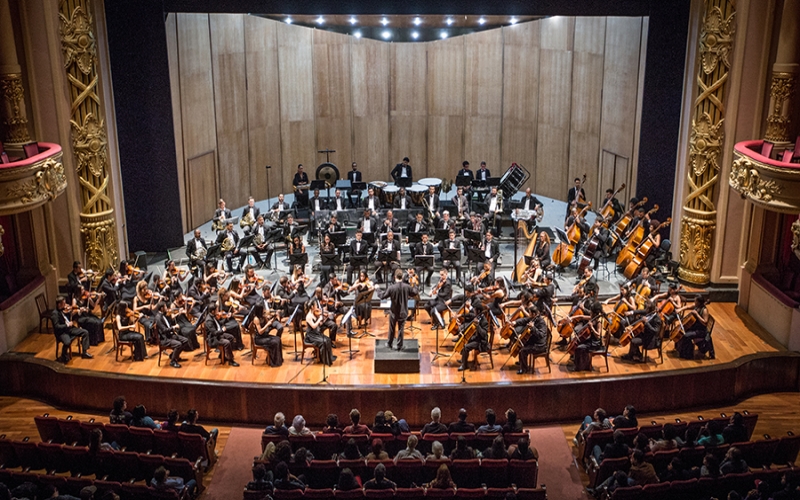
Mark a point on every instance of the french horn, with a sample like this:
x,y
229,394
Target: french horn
x,y
228,244
247,220
200,254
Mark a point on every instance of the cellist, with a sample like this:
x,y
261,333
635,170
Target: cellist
x,y
642,286
672,296
623,302
649,335
537,340
576,217
696,330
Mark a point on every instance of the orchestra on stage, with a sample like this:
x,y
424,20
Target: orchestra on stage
x,y
386,242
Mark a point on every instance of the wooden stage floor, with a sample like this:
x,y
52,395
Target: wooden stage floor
x,y
735,335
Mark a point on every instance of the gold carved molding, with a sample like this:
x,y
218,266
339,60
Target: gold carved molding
x,y
698,221
795,238
13,109
771,186
28,186
2,248
89,137
781,91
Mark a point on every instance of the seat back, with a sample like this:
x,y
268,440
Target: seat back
x,y
362,441
87,426
437,493
608,467
425,444
523,473
787,450
287,494
136,491
116,433
41,303
408,472
494,472
379,493
78,459
369,471
327,445
358,466
356,493
322,473
410,493
28,454
48,428
750,420
298,442
320,494
53,457
627,492
181,467
470,493
193,446
531,494
270,438
166,443
662,458
466,473
149,463
692,456
596,438
30,149
8,457
254,495
140,439
514,437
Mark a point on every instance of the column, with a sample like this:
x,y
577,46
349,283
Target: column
x,y
698,221
12,111
784,77
89,138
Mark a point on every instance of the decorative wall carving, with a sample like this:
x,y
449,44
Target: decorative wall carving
x,y
25,185
770,183
89,138
795,238
698,222
13,109
748,182
781,92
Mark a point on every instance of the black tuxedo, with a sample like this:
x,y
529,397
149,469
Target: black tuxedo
x,y
482,174
216,337
345,203
373,225
412,227
390,266
354,176
376,203
222,214
265,247
455,244
312,203
465,172
398,201
494,251
572,195
357,248
398,169
256,212
73,283
393,225
168,337
439,302
354,194
65,333
191,248
531,200
432,205
229,255
399,293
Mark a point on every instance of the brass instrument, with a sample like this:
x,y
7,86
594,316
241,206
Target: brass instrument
x,y
228,244
258,240
218,224
247,221
199,254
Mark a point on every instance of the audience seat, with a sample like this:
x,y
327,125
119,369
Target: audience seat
x,y
408,472
270,438
514,437
166,443
358,466
498,493
319,494
466,473
523,473
470,493
625,493
431,466
48,428
787,450
371,464
307,442
287,494
28,455
425,444
531,494
437,493
327,445
88,426
136,491
410,493
750,420
606,469
140,439
322,473
661,459
255,495
78,459
116,433
379,493
658,491
194,447
357,493
164,494
595,438
494,472
76,484
652,431
149,463
71,431
362,441
53,457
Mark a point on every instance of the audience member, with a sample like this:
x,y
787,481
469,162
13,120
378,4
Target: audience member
x,y
380,426
162,481
140,418
435,426
261,479
491,426
667,441
379,481
347,481
190,427
710,466
513,424
676,471
332,425
618,480
711,435
641,442
597,421
461,425
284,480
735,431
524,451
691,435
96,443
437,451
627,420
299,428
351,451
303,456
278,426
642,472
377,452
411,452
733,463
118,414
172,422
616,449
496,450
399,426
462,451
356,427
443,480
50,491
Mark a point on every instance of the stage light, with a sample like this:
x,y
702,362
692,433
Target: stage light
x,y
482,21
352,20
386,35
288,20
357,34
384,21
450,21
513,21
320,20
417,21
414,35
443,35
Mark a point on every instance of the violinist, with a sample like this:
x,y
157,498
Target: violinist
x,y
335,290
440,297
253,283
299,276
298,299
129,277
173,278
201,298
314,320
168,334
297,247
143,305
214,278
533,275
587,279
232,299
187,327
273,314
227,308
66,330
696,317
424,248
649,337
217,334
110,286
362,312
495,295
126,326
546,293
485,278
328,310
480,339
389,258
83,306
78,277
542,250
451,243
283,294
263,323
536,343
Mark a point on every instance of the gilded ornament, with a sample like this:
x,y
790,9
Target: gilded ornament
x,y
705,144
782,89
695,249
48,182
77,40
13,109
89,143
747,181
716,38
2,248
795,238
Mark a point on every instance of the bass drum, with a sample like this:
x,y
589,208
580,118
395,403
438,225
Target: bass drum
x,y
328,172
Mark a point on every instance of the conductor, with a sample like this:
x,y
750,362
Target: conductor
x,y
399,294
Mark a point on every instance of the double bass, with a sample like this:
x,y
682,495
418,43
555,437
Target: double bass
x,y
565,250
592,245
629,252
622,225
607,211
636,263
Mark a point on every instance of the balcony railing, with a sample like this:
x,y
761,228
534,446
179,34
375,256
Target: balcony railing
x,y
773,184
30,182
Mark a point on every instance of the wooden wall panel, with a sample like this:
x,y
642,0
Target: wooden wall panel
x,y
298,143
586,105
408,105
620,87
445,107
520,96
332,98
370,81
201,187
230,103
177,120
483,98
263,106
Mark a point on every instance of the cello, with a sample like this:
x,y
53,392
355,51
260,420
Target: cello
x,y
636,263
565,251
635,329
629,252
592,245
622,225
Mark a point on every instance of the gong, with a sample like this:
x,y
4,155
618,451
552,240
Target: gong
x,y
328,172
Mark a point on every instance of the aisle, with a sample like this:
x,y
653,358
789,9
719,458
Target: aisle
x,y
234,468
557,468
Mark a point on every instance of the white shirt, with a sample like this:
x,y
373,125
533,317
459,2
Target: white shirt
x,y
452,243
403,203
371,203
339,204
493,204
527,204
366,226
358,246
417,227
198,242
252,210
488,251
430,203
482,174
316,204
403,172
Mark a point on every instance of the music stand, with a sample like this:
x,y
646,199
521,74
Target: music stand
x,y
338,238
298,259
475,236
369,237
463,181
492,182
386,257
441,234
475,256
214,253
364,297
437,316
349,317
294,330
358,261
478,184
403,182
453,255
330,259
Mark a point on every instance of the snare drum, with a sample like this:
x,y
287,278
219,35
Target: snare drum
x,y
377,186
417,192
430,181
388,194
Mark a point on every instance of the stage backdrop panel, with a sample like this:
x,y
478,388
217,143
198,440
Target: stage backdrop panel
x,y
559,96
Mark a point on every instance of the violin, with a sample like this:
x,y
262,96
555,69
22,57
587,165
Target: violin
x,y
480,277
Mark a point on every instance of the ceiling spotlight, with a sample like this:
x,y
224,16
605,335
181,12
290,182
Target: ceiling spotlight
x,y
288,20
482,21
417,21
386,34
414,35
443,35
320,20
513,21
357,34
384,21
450,21
352,20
